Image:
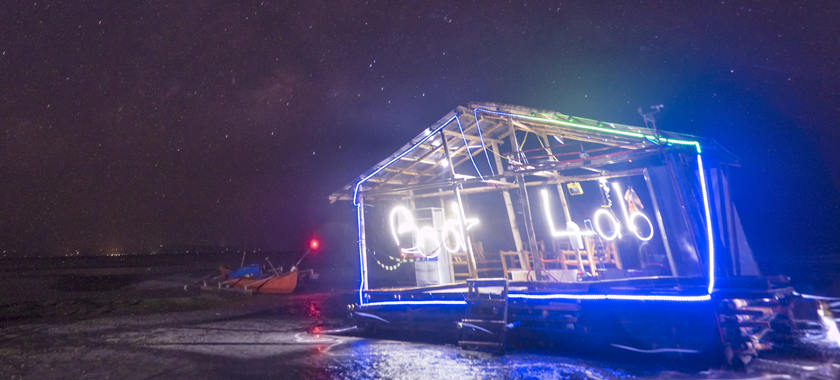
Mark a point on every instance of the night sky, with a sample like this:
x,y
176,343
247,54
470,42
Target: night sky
x,y
129,125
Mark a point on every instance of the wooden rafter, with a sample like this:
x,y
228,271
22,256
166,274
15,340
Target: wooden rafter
x,y
461,161
457,151
421,159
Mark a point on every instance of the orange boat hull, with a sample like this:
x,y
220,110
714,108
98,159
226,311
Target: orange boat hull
x,y
272,285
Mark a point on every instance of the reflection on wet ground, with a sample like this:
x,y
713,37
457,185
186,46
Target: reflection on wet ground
x,y
60,328
259,344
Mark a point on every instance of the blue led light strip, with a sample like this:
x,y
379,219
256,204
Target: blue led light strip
x,y
708,223
615,297
401,155
362,258
467,148
581,297
401,303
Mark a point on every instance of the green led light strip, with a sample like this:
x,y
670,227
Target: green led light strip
x,y
599,129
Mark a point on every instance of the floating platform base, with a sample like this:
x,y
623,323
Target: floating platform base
x,y
648,316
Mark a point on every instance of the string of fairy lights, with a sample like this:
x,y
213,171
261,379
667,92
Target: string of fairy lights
x,y
399,261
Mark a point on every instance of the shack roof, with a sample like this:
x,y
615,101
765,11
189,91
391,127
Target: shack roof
x,y
479,127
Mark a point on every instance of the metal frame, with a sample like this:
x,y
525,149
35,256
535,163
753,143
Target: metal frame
x,y
631,142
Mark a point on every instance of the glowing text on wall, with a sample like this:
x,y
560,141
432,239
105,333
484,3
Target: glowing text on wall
x,y
402,222
602,218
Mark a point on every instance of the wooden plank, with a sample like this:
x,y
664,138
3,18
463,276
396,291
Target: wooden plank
x,y
421,159
471,138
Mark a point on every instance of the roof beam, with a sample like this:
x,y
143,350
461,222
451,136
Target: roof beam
x,y
470,137
421,159
461,161
432,149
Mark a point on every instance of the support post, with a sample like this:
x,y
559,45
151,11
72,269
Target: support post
x,y
443,211
566,215
466,235
660,223
360,210
457,190
526,211
411,200
682,201
565,204
517,237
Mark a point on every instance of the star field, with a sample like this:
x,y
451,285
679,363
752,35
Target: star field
x,y
135,125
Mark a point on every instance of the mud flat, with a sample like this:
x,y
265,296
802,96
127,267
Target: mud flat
x,y
97,325
270,338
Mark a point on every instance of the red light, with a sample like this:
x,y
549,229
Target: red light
x,y
314,244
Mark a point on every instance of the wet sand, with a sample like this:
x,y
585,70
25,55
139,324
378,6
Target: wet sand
x,y
98,325
271,338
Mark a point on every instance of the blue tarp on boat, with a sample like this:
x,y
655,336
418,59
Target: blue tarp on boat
x,y
246,272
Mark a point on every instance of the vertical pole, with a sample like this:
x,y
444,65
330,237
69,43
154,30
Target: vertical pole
x,y
448,156
443,212
682,201
360,210
526,211
457,190
661,224
544,136
529,226
565,204
517,237
411,200
466,235
566,214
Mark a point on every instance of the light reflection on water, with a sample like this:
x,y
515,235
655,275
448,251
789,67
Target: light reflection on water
x,y
355,358
288,346
234,344
386,359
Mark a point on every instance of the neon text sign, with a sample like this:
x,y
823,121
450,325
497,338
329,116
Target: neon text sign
x,y
599,219
402,222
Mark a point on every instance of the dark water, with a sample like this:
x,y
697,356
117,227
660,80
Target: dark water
x,y
258,343
808,275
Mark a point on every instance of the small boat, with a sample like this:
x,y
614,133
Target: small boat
x,y
252,279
